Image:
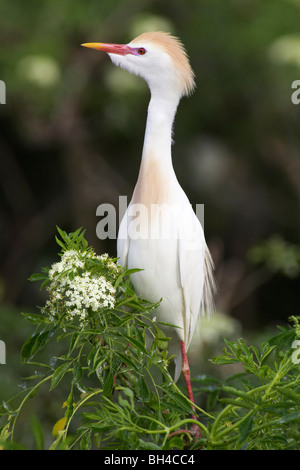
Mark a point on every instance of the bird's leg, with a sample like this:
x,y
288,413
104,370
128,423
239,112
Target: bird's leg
x,y
195,430
187,377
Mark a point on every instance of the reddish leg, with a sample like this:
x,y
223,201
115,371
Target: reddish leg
x,y
187,376
195,430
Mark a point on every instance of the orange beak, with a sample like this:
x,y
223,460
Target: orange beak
x,y
120,49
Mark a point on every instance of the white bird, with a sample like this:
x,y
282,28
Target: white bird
x,y
160,232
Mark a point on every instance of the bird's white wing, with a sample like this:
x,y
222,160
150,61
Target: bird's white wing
x,y
196,276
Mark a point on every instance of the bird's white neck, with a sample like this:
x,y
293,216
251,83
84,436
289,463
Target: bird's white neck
x,y
156,176
158,135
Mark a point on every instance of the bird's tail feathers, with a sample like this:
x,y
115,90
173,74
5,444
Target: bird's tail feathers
x,y
209,288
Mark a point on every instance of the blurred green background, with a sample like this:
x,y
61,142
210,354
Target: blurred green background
x,y
71,136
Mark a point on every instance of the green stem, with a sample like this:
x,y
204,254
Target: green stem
x,y
64,433
254,430
24,401
231,407
193,404
188,421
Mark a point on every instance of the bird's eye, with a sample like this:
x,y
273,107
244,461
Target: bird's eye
x,y
141,51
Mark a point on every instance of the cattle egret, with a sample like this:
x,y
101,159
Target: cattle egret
x,y
160,232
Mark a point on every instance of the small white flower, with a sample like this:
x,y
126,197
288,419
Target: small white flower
x,y
87,290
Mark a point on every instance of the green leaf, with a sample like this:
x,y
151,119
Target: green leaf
x,y
93,360
123,403
35,318
75,338
180,401
236,402
142,390
70,406
86,440
245,428
137,344
240,393
176,442
148,445
124,274
84,243
289,394
100,427
266,354
37,277
221,360
295,416
108,385
161,340
129,393
45,283
170,406
5,407
63,235
91,416
127,361
81,387
35,343
60,243
77,371
59,374
167,324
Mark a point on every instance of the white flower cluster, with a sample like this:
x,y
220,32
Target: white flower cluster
x,y
70,260
75,290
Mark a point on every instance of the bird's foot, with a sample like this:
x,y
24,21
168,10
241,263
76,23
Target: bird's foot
x,y
195,432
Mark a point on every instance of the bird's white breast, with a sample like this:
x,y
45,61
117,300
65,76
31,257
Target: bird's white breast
x,y
168,244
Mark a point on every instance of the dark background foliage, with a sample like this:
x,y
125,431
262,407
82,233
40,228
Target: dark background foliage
x,y
71,135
